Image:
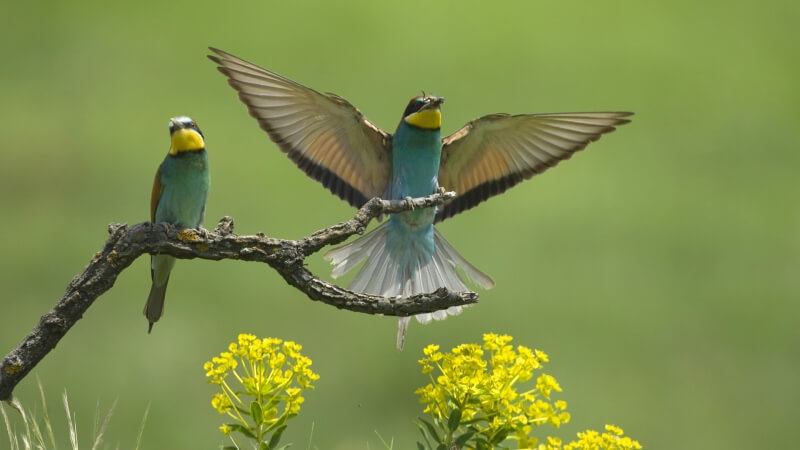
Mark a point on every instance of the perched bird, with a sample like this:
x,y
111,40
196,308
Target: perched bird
x,y
335,144
179,196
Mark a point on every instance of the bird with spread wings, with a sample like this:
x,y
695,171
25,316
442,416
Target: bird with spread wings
x,y
332,142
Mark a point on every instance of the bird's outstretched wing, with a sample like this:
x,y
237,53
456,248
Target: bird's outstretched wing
x,y
323,134
495,152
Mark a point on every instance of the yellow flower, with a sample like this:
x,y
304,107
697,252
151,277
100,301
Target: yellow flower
x,y
293,392
553,441
260,384
614,439
432,352
225,429
292,349
495,342
245,339
221,403
277,361
500,395
484,383
219,366
546,384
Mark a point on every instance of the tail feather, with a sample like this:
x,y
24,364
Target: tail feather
x,y
160,268
410,273
154,307
402,329
473,273
348,256
372,281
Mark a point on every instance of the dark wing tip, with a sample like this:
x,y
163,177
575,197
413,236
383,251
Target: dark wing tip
x,y
218,56
218,51
622,117
232,82
224,70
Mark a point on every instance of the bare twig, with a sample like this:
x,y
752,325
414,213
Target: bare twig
x,y
287,257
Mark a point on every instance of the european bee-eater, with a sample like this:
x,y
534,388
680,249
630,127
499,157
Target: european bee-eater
x,y
335,144
179,196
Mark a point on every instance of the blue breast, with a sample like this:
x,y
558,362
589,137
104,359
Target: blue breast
x,y
184,181
416,154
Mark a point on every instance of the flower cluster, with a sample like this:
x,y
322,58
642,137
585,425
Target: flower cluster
x,y
260,386
481,395
612,439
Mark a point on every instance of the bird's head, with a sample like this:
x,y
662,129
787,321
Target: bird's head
x,y
185,136
424,112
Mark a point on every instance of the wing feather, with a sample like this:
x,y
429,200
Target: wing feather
x,y
155,195
325,136
493,153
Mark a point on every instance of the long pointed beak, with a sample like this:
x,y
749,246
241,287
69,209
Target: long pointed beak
x,y
435,102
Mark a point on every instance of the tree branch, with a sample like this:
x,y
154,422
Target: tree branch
x,y
287,257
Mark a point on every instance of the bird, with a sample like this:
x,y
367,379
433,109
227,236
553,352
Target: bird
x,y
334,143
180,190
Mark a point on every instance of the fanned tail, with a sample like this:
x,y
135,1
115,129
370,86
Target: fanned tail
x,y
406,271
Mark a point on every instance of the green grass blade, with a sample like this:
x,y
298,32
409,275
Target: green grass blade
x,y
46,416
388,445
310,436
8,428
98,439
141,427
71,424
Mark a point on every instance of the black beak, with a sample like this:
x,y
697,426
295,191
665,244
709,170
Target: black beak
x,y
433,102
174,126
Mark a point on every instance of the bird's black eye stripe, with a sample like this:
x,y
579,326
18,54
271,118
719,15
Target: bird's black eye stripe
x,y
191,125
414,105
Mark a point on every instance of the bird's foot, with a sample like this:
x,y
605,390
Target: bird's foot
x,y
167,226
205,234
441,190
410,202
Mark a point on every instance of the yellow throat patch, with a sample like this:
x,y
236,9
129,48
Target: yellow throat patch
x,y
186,140
430,119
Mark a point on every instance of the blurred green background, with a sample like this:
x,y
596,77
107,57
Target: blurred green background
x,y
659,268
